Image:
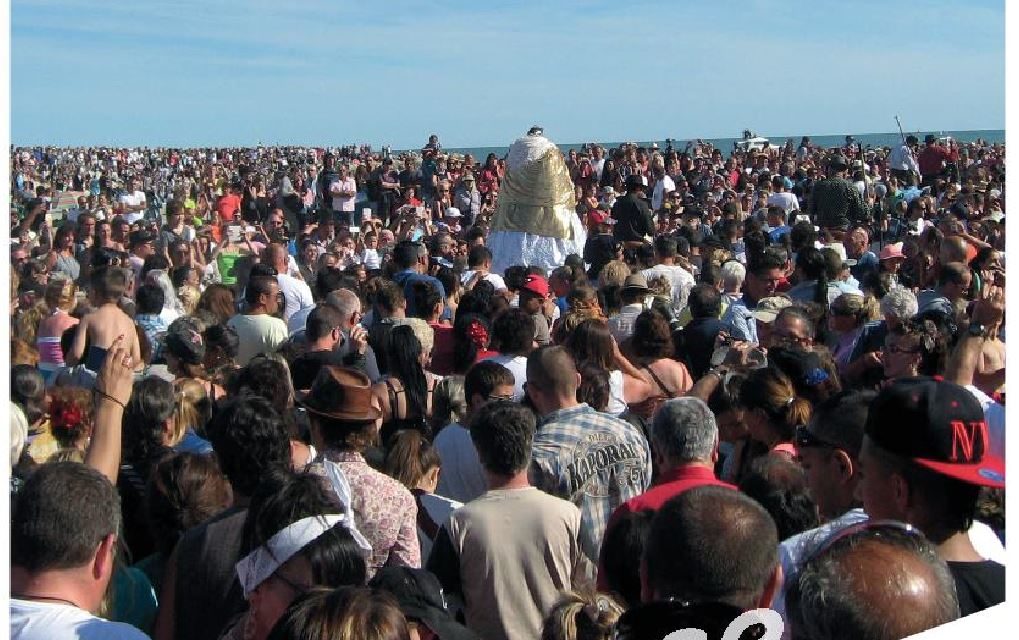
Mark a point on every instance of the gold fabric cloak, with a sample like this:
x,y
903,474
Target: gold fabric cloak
x,y
537,199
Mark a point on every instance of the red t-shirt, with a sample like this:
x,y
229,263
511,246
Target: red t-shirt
x,y
442,351
227,206
669,486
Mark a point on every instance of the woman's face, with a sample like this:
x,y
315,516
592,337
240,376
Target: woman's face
x,y
271,598
757,425
901,356
731,426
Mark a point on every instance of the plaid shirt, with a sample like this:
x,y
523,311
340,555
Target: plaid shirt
x,y
595,461
155,330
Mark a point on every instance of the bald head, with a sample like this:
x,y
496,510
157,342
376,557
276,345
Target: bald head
x,y
347,303
881,584
276,256
553,370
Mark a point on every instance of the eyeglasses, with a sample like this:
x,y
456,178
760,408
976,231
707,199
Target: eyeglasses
x,y
805,438
786,339
493,397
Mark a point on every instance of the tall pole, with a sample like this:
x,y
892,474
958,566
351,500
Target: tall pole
x,y
900,128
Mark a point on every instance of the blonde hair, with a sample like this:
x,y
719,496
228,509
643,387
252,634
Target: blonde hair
x,y
613,274
422,331
26,323
22,352
60,294
582,616
189,297
194,408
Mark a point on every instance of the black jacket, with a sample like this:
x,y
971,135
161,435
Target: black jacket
x,y
633,219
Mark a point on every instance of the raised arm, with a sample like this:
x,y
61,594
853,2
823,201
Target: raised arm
x,y
112,392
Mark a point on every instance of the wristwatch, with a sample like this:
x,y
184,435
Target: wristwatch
x,y
977,330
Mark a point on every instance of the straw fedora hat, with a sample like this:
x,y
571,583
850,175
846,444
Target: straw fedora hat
x,y
340,393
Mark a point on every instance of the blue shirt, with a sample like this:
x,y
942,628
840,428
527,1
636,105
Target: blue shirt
x,y
775,235
741,319
194,443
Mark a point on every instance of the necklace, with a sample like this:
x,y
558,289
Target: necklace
x,y
24,596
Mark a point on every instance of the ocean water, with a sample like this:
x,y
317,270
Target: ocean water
x,y
725,144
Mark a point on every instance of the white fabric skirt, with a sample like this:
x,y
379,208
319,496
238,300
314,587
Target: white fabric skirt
x,y
516,247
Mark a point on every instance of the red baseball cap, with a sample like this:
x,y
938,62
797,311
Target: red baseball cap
x,y
537,285
938,425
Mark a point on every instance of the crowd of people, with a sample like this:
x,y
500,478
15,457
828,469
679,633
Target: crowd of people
x,y
280,393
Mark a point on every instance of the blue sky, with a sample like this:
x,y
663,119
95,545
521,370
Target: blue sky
x,y
224,72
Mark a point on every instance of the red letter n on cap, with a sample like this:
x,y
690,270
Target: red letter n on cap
x,y
964,435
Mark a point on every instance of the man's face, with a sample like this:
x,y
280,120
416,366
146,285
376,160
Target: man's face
x,y
957,291
88,227
309,253
272,300
820,466
789,331
446,244
764,284
530,301
875,488
501,392
275,220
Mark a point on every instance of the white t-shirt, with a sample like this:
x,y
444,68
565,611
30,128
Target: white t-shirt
x,y
494,278
518,367
462,477
662,187
31,620
296,292
439,509
682,282
257,334
786,200
133,199
616,405
297,322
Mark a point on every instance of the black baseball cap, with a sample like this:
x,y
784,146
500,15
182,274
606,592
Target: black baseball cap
x,y
419,594
938,425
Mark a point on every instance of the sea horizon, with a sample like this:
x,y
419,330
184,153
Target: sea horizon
x,y
826,140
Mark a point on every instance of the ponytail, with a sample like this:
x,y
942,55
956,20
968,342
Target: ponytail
x,y
410,457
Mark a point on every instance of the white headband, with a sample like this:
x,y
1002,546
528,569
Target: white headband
x,y
257,566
